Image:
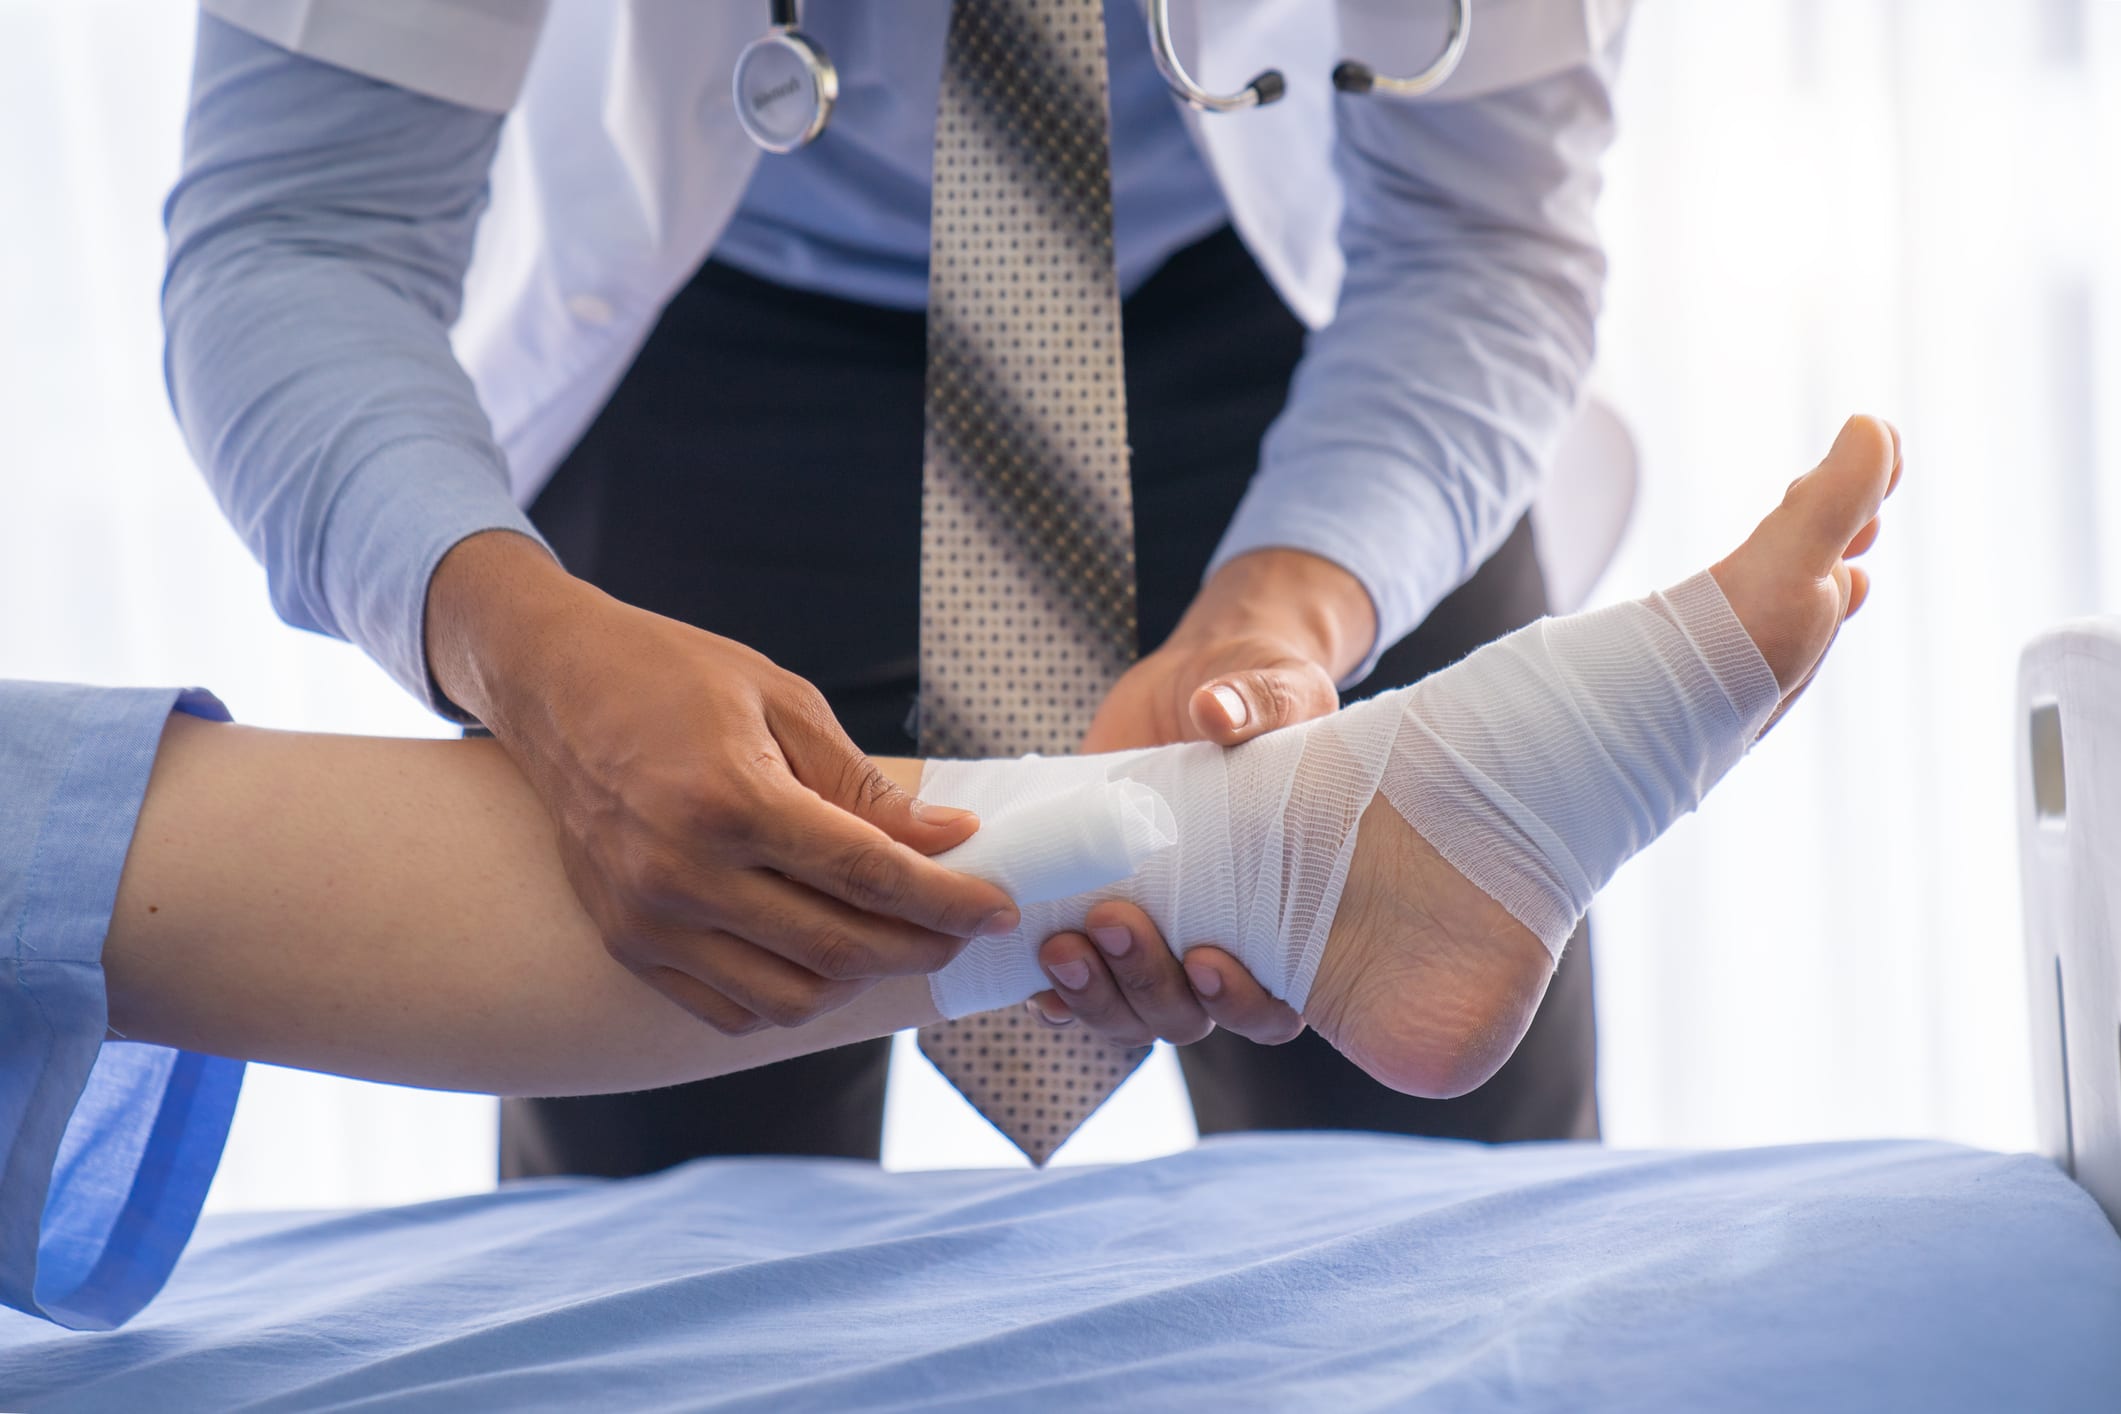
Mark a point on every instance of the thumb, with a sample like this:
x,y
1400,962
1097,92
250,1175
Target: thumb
x,y
822,757
1239,706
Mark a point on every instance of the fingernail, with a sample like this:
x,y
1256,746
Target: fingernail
x,y
937,814
1205,979
1233,703
1002,920
1064,1019
1073,974
1112,940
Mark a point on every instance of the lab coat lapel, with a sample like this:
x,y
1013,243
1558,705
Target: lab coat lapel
x,y
1275,164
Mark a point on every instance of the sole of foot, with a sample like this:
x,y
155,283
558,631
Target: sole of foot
x,y
1428,984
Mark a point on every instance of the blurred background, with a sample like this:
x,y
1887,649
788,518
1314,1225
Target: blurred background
x,y
1817,206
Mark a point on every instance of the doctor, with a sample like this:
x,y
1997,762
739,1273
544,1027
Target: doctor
x,y
427,359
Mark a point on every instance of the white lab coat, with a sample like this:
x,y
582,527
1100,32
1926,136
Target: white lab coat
x,y
623,160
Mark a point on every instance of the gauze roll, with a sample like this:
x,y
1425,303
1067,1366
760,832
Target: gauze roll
x,y
1054,841
1070,843
1536,767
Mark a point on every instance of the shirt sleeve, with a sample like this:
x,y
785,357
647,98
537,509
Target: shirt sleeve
x,y
318,240
106,1147
473,52
1421,418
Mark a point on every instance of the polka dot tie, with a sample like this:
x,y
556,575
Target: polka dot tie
x,y
1027,516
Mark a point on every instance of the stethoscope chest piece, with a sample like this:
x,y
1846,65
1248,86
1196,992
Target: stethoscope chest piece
x,y
784,88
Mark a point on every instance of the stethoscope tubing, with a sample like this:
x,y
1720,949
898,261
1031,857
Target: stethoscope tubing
x,y
1349,76
1264,88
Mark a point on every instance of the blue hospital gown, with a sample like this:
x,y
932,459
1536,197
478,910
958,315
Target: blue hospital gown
x,y
106,1148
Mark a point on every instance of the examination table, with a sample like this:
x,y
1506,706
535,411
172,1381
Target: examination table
x,y
1327,1272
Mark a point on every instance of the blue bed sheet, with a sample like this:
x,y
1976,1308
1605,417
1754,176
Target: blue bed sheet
x,y
1329,1272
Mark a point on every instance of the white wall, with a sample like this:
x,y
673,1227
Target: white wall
x,y
1819,206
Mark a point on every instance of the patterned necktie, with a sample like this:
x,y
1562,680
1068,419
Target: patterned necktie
x,y
1027,517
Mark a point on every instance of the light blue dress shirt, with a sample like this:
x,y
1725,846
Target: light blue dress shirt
x,y
321,230
106,1146
848,216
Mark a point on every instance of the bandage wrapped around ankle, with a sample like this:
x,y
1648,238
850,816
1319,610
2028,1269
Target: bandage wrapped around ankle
x,y
1536,767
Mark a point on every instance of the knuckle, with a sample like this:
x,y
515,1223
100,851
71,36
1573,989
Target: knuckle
x,y
701,1001
717,813
863,787
928,953
791,1003
1277,702
962,912
724,1016
625,939
871,878
764,768
650,877
841,955
1140,982
1138,976
803,706
807,701
1114,1024
639,933
748,796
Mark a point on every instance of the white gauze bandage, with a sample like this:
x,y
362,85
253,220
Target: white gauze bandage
x,y
1536,767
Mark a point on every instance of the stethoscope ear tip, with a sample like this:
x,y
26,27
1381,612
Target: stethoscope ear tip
x,y
1268,87
1351,77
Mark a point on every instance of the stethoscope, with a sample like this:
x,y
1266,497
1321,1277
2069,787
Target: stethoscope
x,y
785,85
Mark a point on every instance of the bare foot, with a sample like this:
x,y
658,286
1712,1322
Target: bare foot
x,y
1427,983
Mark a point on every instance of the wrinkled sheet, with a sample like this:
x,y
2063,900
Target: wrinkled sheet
x,y
1331,1272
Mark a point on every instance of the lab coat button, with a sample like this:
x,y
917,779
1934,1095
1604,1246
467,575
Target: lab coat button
x,y
590,309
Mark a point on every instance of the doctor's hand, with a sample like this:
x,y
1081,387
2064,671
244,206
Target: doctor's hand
x,y
1260,647
1119,980
734,849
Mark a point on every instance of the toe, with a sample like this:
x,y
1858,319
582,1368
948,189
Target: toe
x,y
1789,583
1865,538
1829,507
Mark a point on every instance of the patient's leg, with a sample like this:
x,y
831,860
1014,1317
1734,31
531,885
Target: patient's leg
x,y
397,910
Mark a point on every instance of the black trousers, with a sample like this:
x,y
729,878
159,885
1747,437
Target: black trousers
x,y
758,473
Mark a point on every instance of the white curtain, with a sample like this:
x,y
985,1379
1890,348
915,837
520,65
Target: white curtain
x,y
1821,206
1818,206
